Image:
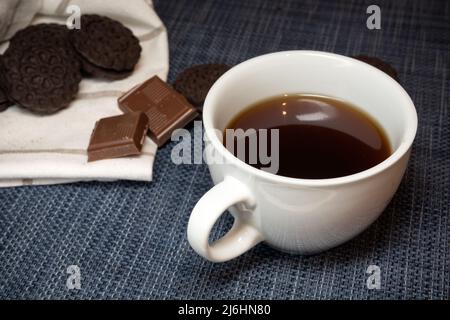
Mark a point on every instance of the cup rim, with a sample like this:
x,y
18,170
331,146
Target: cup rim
x,y
398,153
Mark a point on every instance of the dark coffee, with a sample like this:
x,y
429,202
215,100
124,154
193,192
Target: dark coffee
x,y
319,137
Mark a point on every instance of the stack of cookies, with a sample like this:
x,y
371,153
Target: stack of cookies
x,y
106,48
43,65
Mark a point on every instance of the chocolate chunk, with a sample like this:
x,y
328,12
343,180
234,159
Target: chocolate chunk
x,y
106,43
42,79
166,109
195,82
118,136
379,64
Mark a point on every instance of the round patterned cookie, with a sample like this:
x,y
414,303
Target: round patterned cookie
x,y
45,34
106,43
99,72
195,82
42,79
5,102
379,64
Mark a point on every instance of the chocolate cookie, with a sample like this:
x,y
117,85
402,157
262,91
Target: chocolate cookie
x,y
44,34
106,43
99,72
195,82
379,64
4,100
42,79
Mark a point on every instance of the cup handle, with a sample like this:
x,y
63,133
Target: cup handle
x,y
241,237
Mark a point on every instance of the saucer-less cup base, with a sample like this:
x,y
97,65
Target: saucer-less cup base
x,y
298,215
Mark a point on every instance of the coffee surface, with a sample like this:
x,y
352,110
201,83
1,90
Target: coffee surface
x,y
319,137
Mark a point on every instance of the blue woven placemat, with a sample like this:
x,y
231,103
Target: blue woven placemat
x,y
129,239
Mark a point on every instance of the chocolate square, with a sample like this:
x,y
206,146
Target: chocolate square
x,y
118,136
165,108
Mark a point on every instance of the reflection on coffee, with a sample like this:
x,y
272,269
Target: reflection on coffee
x,y
319,137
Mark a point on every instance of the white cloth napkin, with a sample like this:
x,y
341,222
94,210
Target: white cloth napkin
x,y
15,15
52,149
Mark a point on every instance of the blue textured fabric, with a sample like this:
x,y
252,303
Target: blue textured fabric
x,y
129,239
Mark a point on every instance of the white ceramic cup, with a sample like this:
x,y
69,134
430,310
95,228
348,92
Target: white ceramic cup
x,y
302,216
